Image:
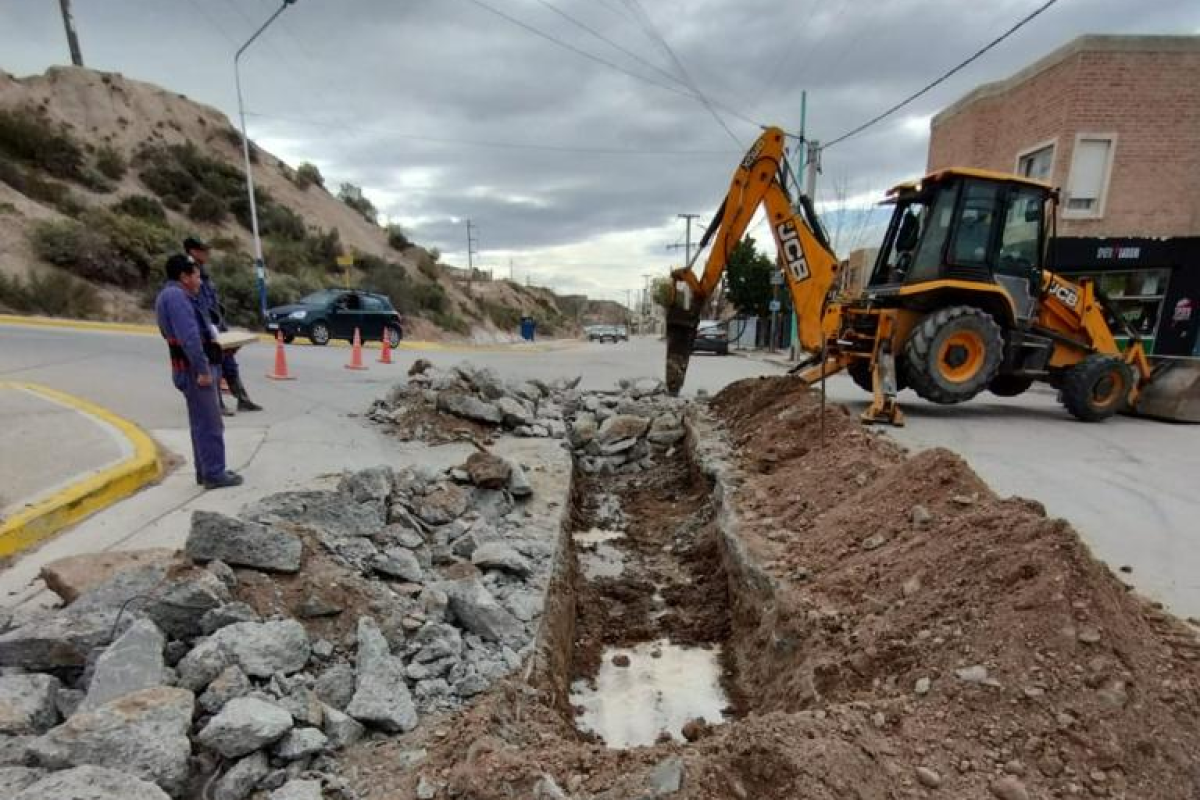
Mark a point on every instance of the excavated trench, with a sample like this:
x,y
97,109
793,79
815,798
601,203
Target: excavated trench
x,y
648,656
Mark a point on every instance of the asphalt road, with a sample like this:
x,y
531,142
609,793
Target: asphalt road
x,y
1130,486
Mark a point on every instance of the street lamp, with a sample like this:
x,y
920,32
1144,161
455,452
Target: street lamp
x,y
260,267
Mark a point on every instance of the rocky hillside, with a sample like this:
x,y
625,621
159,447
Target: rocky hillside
x,y
101,176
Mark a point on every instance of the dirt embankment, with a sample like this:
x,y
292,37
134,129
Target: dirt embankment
x,y
892,629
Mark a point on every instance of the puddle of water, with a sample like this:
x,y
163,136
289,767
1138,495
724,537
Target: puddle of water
x,y
604,561
630,706
596,536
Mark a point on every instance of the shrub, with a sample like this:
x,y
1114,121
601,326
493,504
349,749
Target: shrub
x,y
397,238
7,208
207,207
308,174
504,317
237,287
55,294
451,322
141,206
429,297
390,279
428,267
27,135
277,220
435,255
106,247
353,196
110,163
33,186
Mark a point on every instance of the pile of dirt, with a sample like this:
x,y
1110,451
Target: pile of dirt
x,y
987,636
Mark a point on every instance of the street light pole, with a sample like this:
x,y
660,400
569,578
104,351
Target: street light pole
x,y
260,267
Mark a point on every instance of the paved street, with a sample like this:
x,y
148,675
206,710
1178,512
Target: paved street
x,y
1128,485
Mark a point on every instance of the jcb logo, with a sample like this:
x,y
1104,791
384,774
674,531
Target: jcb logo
x,y
793,253
1065,294
752,156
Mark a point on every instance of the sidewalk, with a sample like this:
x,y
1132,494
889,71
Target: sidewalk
x,y
778,357
62,458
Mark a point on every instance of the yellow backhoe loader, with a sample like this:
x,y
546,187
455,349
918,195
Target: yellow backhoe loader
x,y
961,299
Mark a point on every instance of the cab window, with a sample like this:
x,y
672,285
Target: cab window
x,y
977,221
1021,236
927,260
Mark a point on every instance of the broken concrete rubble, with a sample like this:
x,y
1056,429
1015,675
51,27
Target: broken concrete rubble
x,y
242,544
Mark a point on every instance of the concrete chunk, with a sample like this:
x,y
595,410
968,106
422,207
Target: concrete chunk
x,y
27,703
144,733
245,544
92,783
244,725
381,696
132,663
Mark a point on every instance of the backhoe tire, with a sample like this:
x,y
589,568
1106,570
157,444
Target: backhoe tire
x,y
860,372
953,354
1009,385
1096,388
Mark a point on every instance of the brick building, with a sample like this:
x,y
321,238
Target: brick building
x,y
1114,122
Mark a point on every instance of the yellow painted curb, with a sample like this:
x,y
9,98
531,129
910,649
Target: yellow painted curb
x,y
82,498
78,324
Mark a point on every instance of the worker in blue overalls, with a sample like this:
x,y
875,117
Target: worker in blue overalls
x,y
214,315
194,359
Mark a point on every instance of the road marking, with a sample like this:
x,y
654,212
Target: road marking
x,y
67,506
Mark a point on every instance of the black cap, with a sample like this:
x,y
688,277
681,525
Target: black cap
x,y
177,265
192,243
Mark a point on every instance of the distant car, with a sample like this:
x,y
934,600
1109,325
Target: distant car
x,y
712,336
603,333
622,332
334,314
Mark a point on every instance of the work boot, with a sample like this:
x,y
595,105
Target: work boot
x,y
226,479
243,397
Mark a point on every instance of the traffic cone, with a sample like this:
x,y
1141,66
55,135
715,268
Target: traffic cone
x,y
356,353
385,355
281,370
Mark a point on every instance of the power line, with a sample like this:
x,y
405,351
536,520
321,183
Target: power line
x,y
648,24
580,51
606,40
1020,24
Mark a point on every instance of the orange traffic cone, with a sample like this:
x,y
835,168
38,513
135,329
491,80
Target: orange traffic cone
x,y
281,370
356,353
385,355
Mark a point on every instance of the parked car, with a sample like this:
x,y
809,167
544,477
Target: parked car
x,y
622,332
334,314
712,336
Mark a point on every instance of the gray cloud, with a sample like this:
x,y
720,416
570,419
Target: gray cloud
x,y
413,99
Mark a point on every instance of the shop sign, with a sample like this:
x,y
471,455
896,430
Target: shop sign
x,y
1116,252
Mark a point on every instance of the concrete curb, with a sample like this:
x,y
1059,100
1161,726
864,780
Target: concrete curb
x,y
47,517
151,330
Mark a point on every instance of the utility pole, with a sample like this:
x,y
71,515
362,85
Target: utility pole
x,y
471,251
645,312
687,241
72,38
811,167
510,270
260,266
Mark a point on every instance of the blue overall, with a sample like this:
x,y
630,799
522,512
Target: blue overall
x,y
210,308
182,325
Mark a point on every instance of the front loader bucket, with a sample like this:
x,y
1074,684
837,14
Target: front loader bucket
x,y
681,333
1173,392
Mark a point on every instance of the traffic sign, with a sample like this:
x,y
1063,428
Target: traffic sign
x,y
775,306
777,277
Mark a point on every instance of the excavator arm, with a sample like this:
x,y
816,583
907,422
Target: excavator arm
x,y
808,263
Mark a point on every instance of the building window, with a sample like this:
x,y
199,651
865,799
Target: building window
x,y
1037,163
1091,164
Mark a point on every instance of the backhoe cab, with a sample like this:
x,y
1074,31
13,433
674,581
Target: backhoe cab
x,y
961,299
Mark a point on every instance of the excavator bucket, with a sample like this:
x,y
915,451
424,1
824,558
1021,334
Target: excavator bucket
x,y
1173,392
681,333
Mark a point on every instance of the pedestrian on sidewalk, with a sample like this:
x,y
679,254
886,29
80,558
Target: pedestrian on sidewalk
x,y
195,356
214,314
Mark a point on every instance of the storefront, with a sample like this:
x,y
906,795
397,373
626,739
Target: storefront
x,y
1153,283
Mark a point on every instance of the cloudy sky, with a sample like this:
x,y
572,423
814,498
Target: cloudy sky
x,y
569,131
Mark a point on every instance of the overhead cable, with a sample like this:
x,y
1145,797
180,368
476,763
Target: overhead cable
x,y
929,86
